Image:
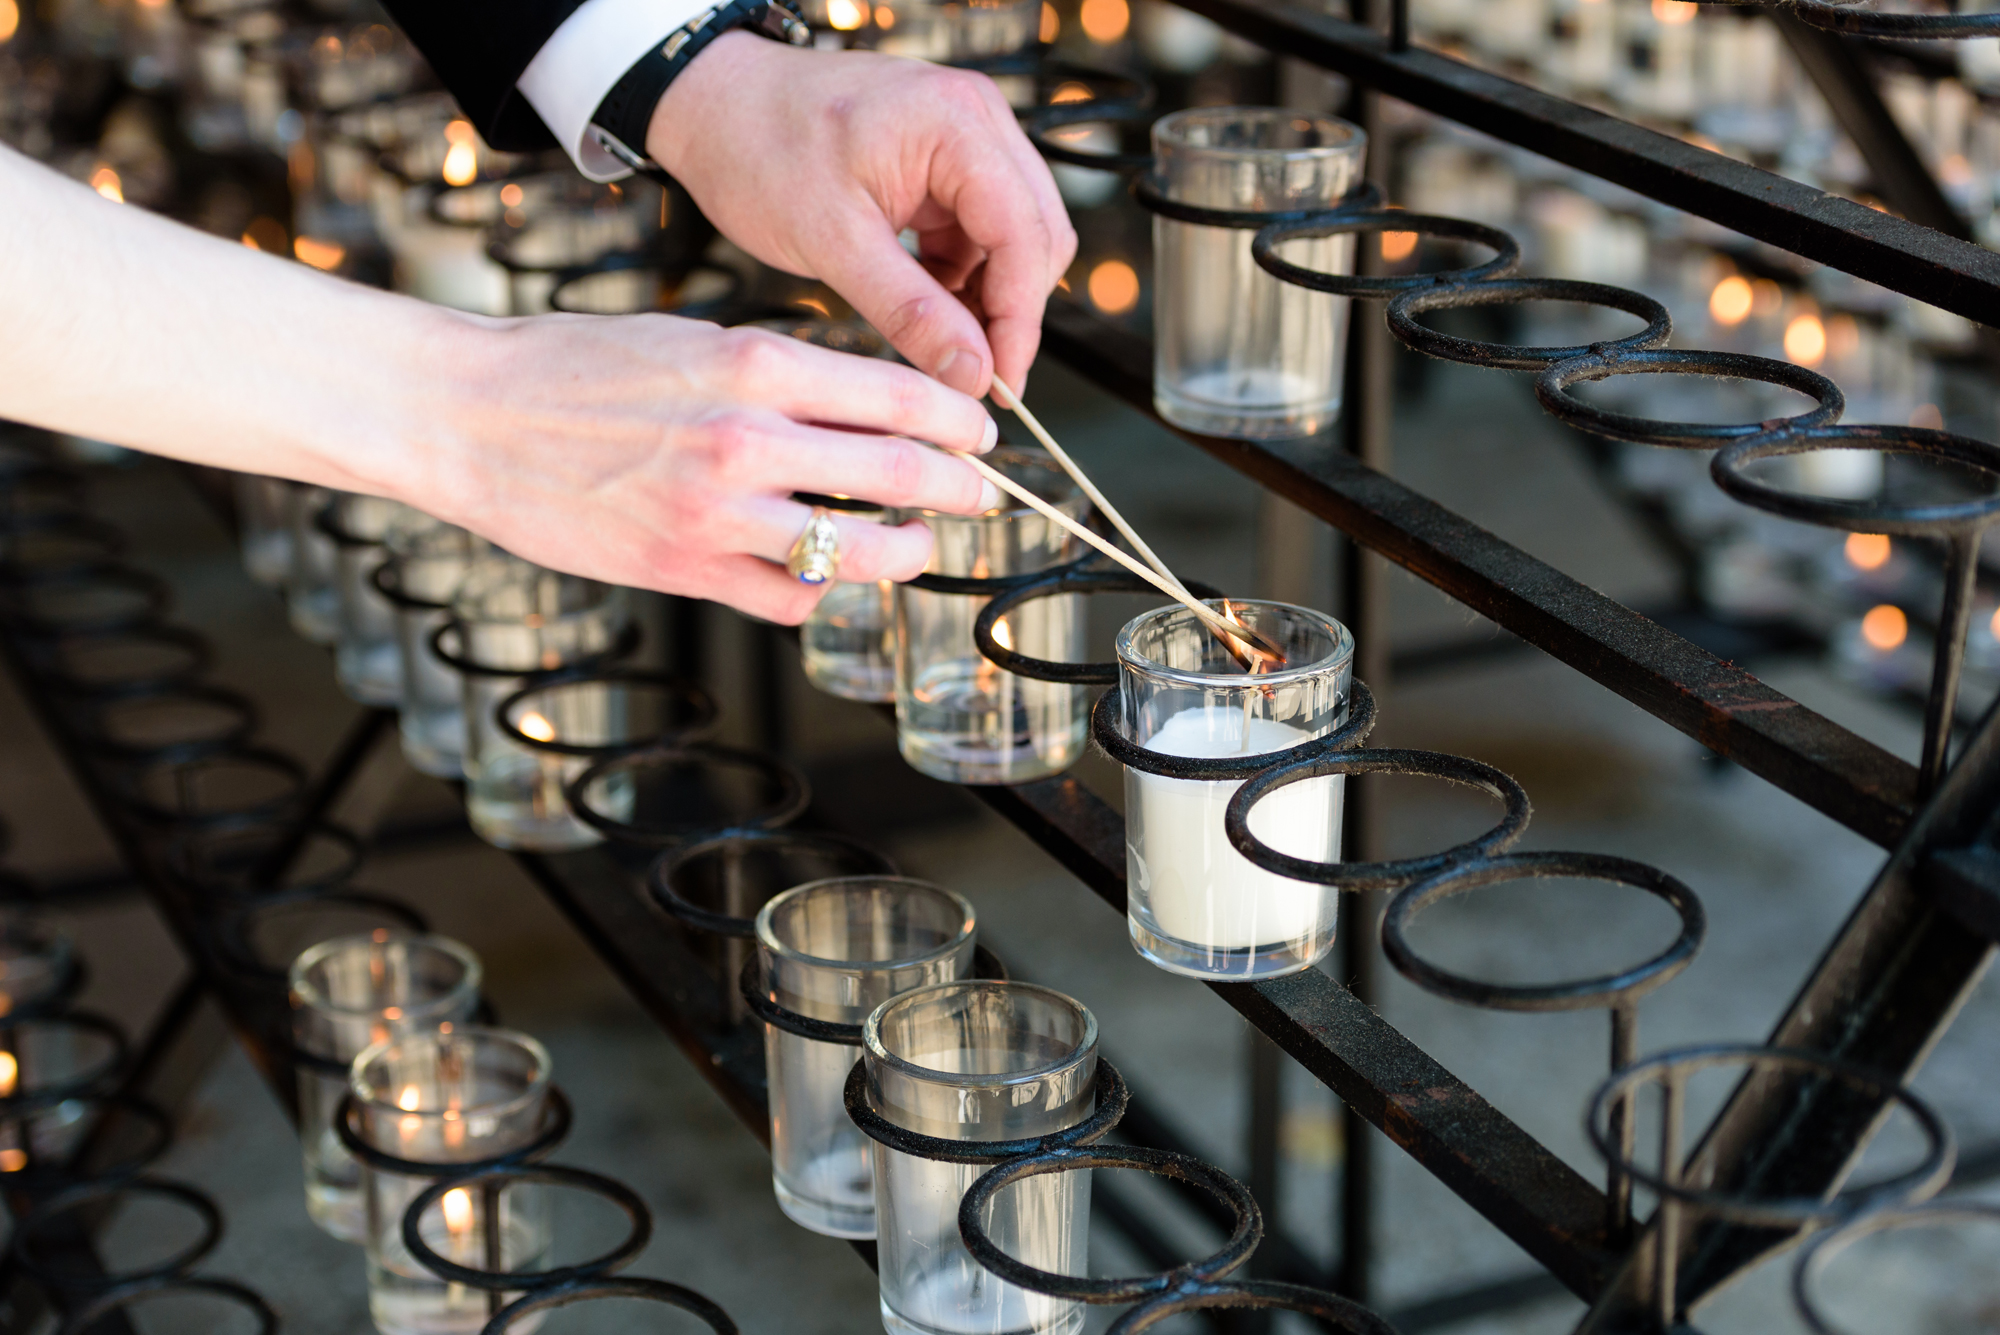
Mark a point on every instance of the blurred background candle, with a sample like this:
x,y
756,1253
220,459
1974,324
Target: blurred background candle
x,y
1197,906
367,660
263,517
427,562
1238,353
311,600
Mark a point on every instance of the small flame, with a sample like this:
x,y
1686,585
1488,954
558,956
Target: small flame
x,y
461,160
1885,627
13,1160
1731,301
1673,13
392,1013
1805,340
1051,21
1105,20
10,18
847,15
323,255
1114,287
813,304
1002,636
885,17
1253,651
1070,92
106,183
410,1099
1398,245
511,195
10,1073
534,726
458,1212
1868,551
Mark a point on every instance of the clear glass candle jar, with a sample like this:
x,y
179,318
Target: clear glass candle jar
x,y
1236,352
311,600
847,643
367,660
552,223
958,717
511,619
1196,905
426,565
977,1061
348,994
264,518
37,966
835,950
444,1099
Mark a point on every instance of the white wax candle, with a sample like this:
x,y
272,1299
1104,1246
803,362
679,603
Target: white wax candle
x,y
1200,889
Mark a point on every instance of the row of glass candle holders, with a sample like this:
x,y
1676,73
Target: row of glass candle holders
x,y
385,1024
464,641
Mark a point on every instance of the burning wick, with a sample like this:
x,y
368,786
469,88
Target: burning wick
x,y
10,1074
534,726
457,1212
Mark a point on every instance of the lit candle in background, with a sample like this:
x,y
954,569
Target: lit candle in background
x,y
548,795
13,1153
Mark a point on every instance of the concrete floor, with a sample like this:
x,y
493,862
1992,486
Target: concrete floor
x,y
1776,879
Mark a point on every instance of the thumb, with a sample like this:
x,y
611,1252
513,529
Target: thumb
x,y
927,324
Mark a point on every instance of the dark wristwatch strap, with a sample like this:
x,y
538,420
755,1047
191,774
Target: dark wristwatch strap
x,y
627,110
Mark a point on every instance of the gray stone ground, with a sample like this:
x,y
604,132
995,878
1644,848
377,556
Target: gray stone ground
x,y
1776,880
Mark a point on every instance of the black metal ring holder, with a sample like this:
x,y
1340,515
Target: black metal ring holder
x,y
1673,1181
204,864
1063,580
44,659
788,798
56,544
720,308
139,599
750,983
664,879
96,724
25,1245
89,1314
699,706
1819,1253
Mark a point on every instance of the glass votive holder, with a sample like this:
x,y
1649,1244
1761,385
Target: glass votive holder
x,y
847,643
250,860
834,950
1237,352
312,601
367,660
263,517
717,885
50,1066
442,1100
958,717
551,224
1196,905
977,1061
38,967
348,994
511,619
568,721
427,564
978,29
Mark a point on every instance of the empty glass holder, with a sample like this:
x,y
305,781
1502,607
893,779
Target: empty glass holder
x,y
311,600
442,1100
512,619
426,566
263,518
834,950
367,661
348,994
958,717
977,1061
1197,906
847,643
1237,352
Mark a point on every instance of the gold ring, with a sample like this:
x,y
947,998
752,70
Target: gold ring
x,y
815,555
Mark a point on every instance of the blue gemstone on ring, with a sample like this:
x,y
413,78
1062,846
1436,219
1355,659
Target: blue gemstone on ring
x,y
811,577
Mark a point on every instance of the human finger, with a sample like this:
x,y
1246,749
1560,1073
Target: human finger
x,y
999,215
755,586
809,383
867,550
887,470
892,291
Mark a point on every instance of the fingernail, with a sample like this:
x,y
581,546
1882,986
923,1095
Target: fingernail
x,y
989,497
960,369
989,438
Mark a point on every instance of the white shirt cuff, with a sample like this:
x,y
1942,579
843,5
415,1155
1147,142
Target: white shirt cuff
x,y
590,53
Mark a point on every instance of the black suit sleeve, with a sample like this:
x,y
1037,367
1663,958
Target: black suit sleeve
x,y
479,49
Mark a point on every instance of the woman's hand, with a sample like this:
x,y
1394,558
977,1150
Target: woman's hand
x,y
815,162
662,453
643,450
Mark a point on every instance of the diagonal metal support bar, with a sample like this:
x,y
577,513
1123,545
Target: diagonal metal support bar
x,y
1495,1167
1899,254
1881,996
1718,704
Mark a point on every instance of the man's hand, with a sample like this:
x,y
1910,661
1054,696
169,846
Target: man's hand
x,y
815,162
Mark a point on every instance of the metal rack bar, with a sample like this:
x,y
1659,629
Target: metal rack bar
x,y
1718,704
1903,256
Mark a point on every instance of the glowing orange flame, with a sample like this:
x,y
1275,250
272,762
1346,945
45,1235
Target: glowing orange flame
x,y
1113,287
10,18
410,1099
533,725
457,1205
461,160
10,1074
847,15
1885,627
325,255
1398,245
1868,551
1673,13
1051,22
1805,340
106,183
1071,92
1105,20
1731,301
